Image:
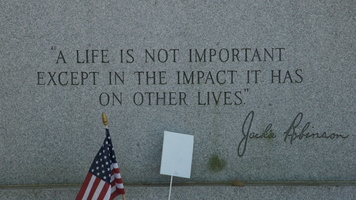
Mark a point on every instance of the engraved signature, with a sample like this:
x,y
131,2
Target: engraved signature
x,y
290,135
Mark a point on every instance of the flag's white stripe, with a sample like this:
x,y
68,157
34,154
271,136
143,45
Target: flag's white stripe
x,y
114,165
90,185
120,185
113,189
115,176
108,194
98,189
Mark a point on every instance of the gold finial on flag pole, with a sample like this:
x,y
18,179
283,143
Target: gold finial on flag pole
x,y
105,119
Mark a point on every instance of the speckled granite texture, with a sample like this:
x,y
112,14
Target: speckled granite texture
x,y
266,88
197,192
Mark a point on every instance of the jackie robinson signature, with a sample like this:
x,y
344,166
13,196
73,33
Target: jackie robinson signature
x,y
296,130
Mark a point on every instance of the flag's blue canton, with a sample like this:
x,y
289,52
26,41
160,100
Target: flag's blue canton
x,y
103,160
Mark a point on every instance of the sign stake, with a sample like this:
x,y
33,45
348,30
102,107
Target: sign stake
x,y
170,188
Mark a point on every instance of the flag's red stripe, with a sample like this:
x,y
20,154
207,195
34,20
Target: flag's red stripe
x,y
114,188
113,183
116,181
84,186
115,170
114,194
104,191
117,192
120,191
94,187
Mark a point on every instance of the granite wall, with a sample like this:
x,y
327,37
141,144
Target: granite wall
x,y
267,89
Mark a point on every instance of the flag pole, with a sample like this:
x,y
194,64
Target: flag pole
x,y
105,122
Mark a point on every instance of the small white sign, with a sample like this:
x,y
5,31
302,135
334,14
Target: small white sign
x,y
177,154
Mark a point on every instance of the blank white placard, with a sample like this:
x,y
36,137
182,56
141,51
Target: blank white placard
x,y
177,154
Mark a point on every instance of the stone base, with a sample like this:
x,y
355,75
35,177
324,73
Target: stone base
x,y
218,192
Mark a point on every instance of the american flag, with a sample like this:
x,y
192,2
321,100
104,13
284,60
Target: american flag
x,y
103,180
